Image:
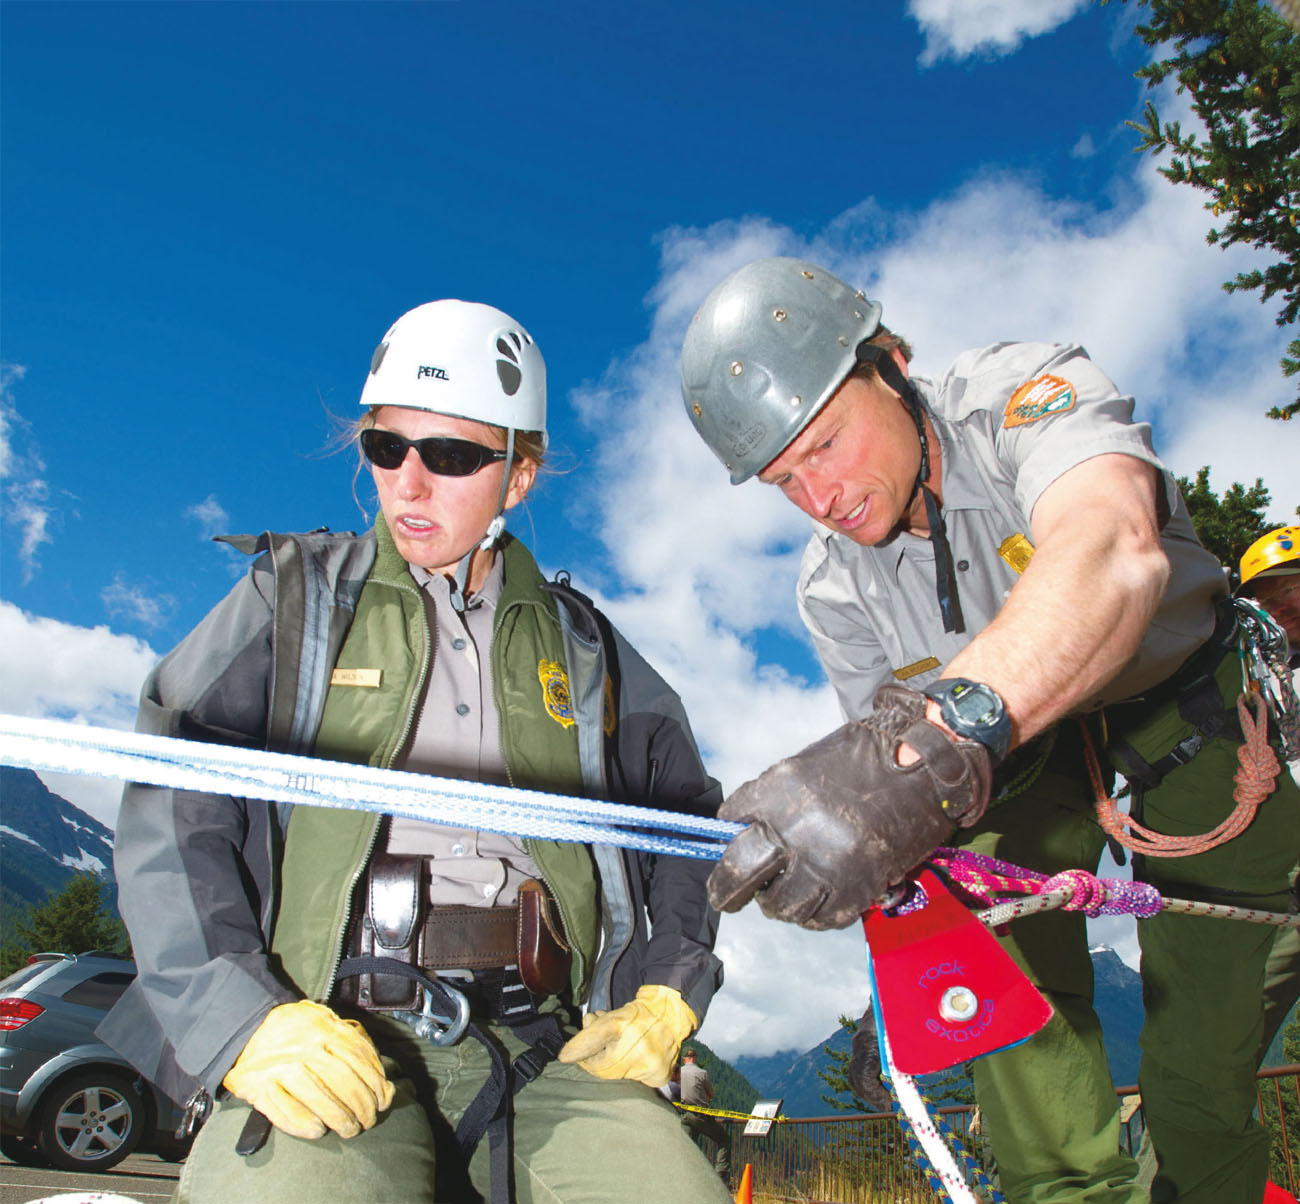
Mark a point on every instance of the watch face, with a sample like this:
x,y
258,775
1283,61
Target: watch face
x,y
975,703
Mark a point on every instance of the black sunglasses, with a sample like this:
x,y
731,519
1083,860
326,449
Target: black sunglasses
x,y
443,456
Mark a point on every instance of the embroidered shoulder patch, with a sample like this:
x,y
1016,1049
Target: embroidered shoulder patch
x,y
1038,398
555,692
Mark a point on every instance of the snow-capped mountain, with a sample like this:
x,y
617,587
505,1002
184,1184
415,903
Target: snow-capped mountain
x,y
44,839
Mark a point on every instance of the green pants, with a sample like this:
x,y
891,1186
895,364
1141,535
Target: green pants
x,y
577,1140
1203,983
697,1124
1049,1105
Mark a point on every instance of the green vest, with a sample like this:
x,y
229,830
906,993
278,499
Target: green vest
x,y
326,850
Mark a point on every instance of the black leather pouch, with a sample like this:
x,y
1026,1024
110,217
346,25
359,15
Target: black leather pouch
x,y
387,921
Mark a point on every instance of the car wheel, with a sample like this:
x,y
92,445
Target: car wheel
x,y
20,1150
90,1121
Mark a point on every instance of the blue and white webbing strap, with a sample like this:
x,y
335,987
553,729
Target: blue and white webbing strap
x,y
58,746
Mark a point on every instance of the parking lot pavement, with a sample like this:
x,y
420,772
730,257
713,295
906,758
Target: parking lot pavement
x,y
143,1177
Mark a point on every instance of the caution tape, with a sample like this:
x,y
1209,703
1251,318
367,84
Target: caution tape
x,y
727,1115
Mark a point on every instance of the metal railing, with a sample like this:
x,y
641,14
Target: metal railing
x,y
865,1159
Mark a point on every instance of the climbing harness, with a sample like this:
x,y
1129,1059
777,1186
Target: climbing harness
x,y
1254,783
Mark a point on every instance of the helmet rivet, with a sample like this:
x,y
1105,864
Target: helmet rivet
x,y
857,313
843,341
779,315
807,275
695,405
860,295
737,367
796,400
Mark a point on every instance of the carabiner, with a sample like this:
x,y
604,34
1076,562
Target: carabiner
x,y
441,1030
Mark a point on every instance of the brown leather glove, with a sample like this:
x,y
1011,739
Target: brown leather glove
x,y
835,826
864,1066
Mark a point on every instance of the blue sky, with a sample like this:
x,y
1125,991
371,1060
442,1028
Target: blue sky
x,y
212,212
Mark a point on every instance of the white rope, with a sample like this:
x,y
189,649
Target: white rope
x,y
58,746
934,1148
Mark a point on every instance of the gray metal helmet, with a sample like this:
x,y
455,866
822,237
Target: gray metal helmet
x,y
765,352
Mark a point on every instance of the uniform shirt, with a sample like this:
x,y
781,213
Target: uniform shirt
x,y
696,1086
458,735
1010,419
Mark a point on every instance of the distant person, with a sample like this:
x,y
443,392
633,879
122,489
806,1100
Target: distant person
x,y
434,645
697,1089
672,1089
1270,575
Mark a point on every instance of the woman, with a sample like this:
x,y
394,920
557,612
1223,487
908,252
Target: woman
x,y
431,644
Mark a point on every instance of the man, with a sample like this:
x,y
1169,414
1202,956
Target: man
x,y
697,1090
1270,573
1000,554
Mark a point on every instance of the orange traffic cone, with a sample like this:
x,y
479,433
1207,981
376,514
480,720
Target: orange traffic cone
x,y
746,1193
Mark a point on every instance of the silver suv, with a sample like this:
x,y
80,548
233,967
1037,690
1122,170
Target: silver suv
x,y
66,1098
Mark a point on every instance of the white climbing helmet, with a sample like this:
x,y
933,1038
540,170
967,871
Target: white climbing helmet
x,y
464,359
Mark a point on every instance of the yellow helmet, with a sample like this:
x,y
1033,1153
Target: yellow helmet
x,y
1270,552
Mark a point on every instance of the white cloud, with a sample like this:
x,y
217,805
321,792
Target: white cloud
x,y
26,494
697,571
958,29
135,605
90,675
9,373
211,516
784,988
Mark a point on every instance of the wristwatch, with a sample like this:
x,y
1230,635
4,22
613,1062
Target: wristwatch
x,y
975,711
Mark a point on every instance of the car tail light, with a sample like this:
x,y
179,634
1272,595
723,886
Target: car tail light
x,y
15,1012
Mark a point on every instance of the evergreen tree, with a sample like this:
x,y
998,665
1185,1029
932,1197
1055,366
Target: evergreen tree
x,y
1240,63
75,920
953,1086
836,1076
1227,526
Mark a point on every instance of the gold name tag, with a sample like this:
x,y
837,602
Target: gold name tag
x,y
930,662
356,677
1017,551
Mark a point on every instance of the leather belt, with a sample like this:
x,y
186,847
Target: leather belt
x,y
470,938
392,919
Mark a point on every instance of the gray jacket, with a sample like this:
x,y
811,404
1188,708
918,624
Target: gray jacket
x,y
197,872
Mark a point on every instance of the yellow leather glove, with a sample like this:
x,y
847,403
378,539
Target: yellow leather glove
x,y
638,1041
307,1070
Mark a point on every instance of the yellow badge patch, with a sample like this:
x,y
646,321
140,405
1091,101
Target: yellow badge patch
x,y
930,662
370,678
1016,550
611,711
555,692
1038,398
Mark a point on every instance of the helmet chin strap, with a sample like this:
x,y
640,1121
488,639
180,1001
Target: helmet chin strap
x,y
491,535
945,580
